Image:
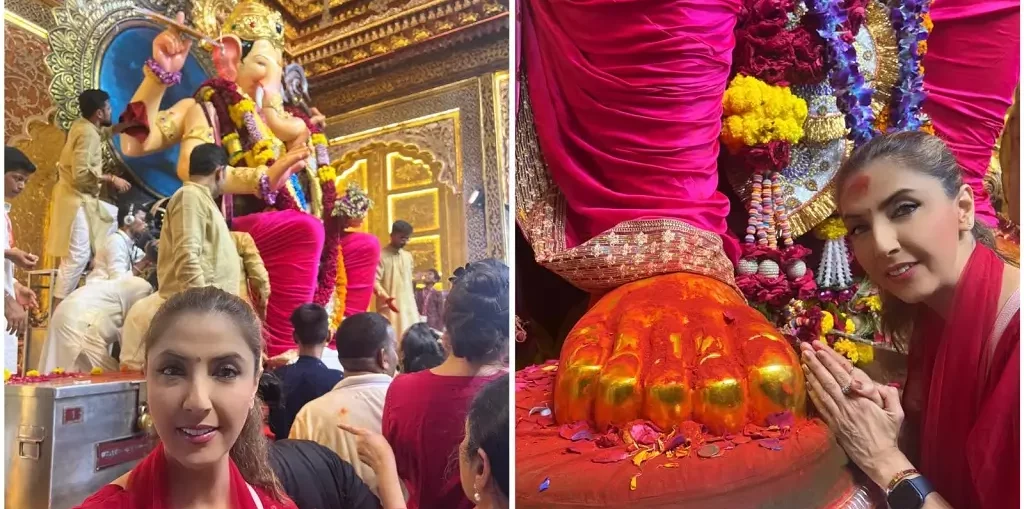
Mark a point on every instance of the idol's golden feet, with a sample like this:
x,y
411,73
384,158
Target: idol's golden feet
x,y
674,348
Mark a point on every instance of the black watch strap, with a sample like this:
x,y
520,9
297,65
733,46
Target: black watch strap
x,y
909,493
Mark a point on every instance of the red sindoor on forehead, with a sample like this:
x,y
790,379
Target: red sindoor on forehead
x,y
858,185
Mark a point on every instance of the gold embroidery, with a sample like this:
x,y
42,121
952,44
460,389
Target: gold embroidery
x,y
824,129
167,126
203,133
631,251
887,70
248,177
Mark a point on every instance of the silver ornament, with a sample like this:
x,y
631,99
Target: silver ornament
x,y
796,269
768,268
746,267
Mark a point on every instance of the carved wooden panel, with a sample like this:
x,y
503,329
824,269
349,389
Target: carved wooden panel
x,y
421,209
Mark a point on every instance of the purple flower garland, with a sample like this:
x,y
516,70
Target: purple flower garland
x,y
908,94
852,97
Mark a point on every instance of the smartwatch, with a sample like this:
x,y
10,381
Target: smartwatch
x,y
909,493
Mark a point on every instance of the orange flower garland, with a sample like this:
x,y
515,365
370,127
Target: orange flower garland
x,y
340,292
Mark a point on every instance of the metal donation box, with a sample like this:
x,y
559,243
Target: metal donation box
x,y
65,439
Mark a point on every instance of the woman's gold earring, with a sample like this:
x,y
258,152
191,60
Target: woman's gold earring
x,y
476,497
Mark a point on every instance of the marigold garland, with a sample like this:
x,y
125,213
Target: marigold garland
x,y
340,292
830,229
757,113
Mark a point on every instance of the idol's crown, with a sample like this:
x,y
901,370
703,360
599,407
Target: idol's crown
x,y
251,21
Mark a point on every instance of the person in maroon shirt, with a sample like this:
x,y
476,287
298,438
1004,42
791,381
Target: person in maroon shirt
x,y
425,412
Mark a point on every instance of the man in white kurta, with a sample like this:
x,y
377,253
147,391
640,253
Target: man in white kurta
x,y
88,322
119,253
79,220
396,299
18,299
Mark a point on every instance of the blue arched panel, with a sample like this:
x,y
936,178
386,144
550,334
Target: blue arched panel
x,y
120,75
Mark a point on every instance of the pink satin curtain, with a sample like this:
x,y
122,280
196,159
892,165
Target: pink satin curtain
x,y
290,243
627,97
362,256
971,70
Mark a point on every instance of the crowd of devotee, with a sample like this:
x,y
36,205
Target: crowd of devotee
x,y
367,415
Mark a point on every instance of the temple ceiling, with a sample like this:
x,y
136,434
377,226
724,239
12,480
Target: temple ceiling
x,y
355,35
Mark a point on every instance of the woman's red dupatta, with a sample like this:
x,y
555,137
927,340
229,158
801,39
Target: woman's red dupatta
x,y
147,485
968,398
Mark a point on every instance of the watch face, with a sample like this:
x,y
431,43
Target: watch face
x,y
909,494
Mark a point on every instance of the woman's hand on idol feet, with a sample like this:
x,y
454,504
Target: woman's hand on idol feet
x,y
170,48
286,165
867,431
376,452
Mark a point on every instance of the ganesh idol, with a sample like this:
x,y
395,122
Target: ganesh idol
x,y
275,181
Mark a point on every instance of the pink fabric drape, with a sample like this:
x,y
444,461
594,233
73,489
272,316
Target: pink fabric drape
x,y
289,243
627,98
970,72
362,255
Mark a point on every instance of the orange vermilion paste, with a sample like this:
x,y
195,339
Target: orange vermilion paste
x,y
674,348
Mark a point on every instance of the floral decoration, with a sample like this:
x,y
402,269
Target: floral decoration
x,y
757,113
852,96
910,20
769,47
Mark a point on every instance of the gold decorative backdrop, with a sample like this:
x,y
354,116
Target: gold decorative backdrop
x,y
28,125
420,158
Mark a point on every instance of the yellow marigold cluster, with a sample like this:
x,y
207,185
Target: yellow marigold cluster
x,y
847,349
340,291
872,302
865,353
830,229
827,324
757,113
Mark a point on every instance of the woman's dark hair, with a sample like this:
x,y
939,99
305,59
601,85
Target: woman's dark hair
x,y
249,451
476,313
421,349
926,154
487,429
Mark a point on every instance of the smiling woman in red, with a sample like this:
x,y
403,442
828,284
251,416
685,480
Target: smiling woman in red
x,y
202,371
914,229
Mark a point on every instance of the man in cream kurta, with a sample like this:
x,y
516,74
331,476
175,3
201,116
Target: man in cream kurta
x,y
79,221
85,324
396,299
366,345
196,247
